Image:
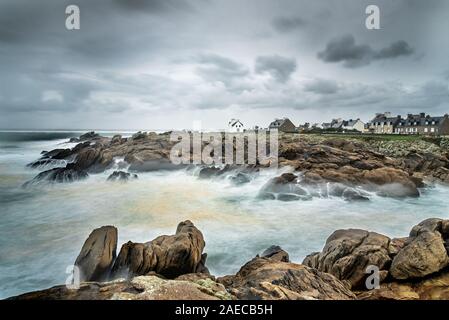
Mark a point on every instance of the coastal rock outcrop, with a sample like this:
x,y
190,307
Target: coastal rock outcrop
x,y
347,253
97,254
169,256
69,173
271,278
138,288
425,251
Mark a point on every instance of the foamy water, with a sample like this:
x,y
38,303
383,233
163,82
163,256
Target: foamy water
x,y
42,229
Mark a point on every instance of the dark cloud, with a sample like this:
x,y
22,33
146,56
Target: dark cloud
x,y
280,68
322,86
287,24
344,49
396,49
154,6
147,57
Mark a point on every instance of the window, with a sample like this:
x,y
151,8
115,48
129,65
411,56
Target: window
x,y
426,129
432,129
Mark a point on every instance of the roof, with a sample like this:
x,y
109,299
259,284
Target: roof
x,y
419,120
233,122
350,123
278,123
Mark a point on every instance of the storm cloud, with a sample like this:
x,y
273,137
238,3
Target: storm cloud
x,y
344,49
166,63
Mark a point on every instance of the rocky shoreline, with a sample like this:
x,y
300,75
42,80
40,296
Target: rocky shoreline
x,y
174,267
319,166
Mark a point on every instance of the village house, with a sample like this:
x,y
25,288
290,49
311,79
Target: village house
x,y
235,125
383,123
282,125
351,124
340,124
423,124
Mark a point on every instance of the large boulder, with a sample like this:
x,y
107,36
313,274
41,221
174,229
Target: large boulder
x,y
424,255
139,288
170,256
97,254
348,253
392,182
264,278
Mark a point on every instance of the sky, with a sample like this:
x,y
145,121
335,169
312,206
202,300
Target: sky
x,y
175,64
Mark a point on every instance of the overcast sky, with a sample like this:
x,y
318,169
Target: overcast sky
x,y
160,64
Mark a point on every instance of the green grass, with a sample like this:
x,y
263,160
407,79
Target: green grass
x,y
374,137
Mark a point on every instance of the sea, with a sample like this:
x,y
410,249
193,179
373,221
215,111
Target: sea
x,y
43,228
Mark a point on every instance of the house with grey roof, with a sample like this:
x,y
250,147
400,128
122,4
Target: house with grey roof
x,y
282,125
423,124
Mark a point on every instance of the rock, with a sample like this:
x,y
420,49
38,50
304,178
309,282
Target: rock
x,y
393,182
169,256
276,253
240,178
286,183
431,225
208,172
93,159
270,279
86,136
121,176
348,253
70,173
424,255
139,136
201,267
434,288
266,196
350,194
98,254
138,288
117,139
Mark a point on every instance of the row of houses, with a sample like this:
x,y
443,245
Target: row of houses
x,y
382,123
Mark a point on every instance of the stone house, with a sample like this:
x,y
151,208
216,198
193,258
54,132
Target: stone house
x,y
282,125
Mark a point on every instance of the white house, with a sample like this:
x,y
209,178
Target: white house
x,y
235,125
353,125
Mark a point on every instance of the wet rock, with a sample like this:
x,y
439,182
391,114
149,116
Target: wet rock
x,y
70,173
97,254
350,194
287,197
121,176
169,256
392,182
424,255
270,279
208,172
266,196
347,254
240,178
